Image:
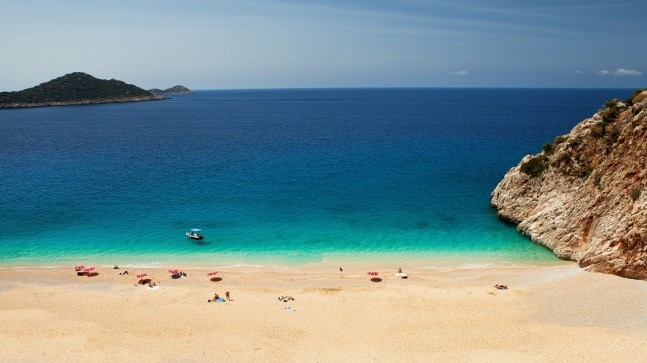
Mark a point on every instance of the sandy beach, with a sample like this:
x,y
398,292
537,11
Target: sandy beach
x,y
548,314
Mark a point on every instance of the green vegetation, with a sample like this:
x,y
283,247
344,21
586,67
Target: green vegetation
x,y
175,90
635,194
534,167
560,139
635,98
548,148
73,88
612,110
598,180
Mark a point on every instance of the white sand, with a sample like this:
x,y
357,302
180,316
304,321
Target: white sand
x,y
548,314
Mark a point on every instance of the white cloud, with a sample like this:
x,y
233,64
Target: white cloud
x,y
577,71
626,72
459,73
619,72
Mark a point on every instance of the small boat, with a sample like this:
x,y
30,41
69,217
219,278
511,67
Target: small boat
x,y
193,234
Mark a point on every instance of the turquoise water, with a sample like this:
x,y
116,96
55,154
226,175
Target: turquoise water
x,y
275,176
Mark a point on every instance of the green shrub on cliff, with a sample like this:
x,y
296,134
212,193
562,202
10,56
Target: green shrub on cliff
x,y
612,110
560,139
635,97
534,167
548,148
635,194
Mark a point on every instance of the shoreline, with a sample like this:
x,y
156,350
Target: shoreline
x,y
548,313
418,260
11,106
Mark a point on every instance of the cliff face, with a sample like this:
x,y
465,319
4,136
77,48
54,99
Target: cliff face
x,y
585,195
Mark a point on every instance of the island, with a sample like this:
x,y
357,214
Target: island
x,y
175,90
76,89
584,195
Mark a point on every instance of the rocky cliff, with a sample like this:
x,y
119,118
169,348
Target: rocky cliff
x,y
585,195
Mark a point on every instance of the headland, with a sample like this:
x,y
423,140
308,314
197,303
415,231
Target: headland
x,y
175,90
584,195
76,89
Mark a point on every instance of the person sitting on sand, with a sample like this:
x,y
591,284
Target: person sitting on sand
x,y
500,287
124,273
399,270
215,297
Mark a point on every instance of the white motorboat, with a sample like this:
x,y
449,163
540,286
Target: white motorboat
x,y
193,234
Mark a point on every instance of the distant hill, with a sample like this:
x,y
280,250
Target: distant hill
x,y
175,90
75,89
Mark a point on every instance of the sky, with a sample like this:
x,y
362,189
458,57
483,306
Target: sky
x,y
250,44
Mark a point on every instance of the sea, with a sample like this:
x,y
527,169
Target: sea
x,y
276,177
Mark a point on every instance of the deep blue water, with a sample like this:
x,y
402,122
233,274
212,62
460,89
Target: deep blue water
x,y
285,175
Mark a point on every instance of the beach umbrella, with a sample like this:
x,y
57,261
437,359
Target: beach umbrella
x,y
79,268
374,277
141,277
87,270
213,273
174,271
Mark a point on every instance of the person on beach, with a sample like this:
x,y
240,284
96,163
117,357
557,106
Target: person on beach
x,y
116,267
124,273
215,297
227,296
399,270
341,269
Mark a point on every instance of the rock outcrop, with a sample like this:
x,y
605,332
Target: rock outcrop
x,y
585,195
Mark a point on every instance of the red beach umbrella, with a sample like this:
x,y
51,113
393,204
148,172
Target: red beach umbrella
x,y
174,271
89,269
212,276
374,277
141,276
79,268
